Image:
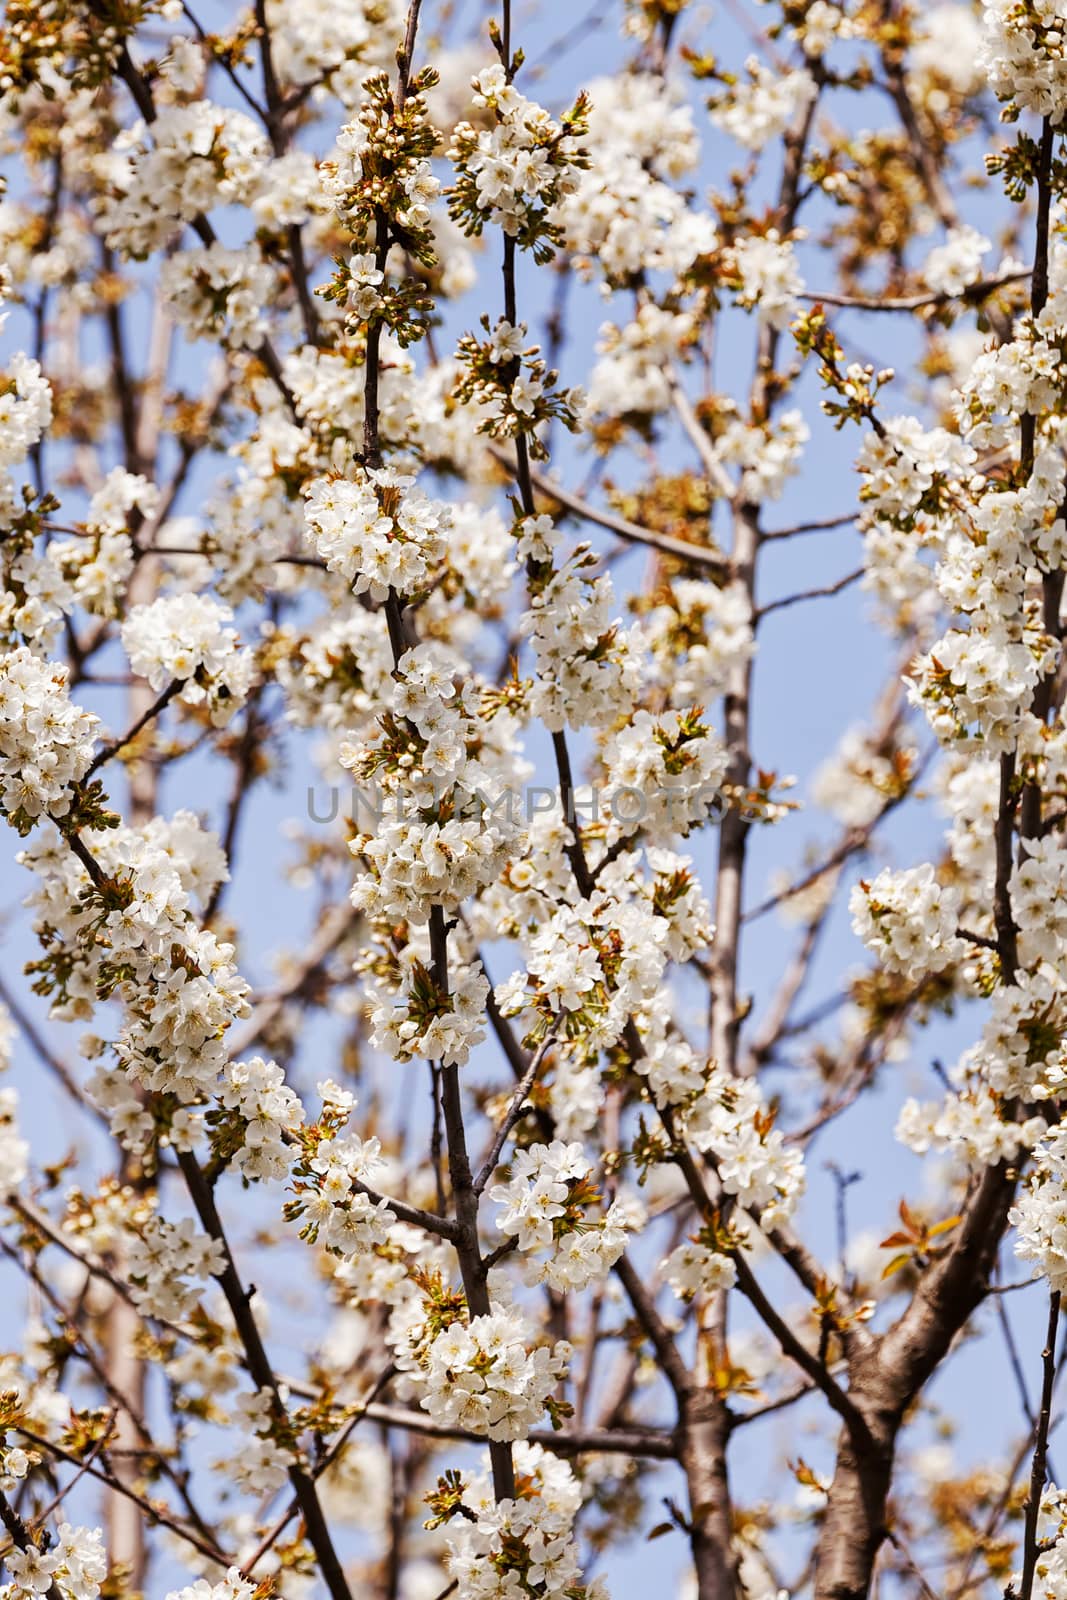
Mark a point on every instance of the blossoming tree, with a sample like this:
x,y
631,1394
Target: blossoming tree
x,y
471,1251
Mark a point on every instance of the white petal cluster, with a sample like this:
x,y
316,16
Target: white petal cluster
x,y
910,466
769,277
953,266
448,812
695,635
191,159
310,44
601,960
217,293
1050,1566
177,981
587,668
517,1548
694,1269
624,217
75,1563
332,1207
1023,53
521,164
970,1126
643,114
185,637
663,775
725,1117
338,672
860,779
356,165
908,920
168,1263
488,1377
232,1587
973,685
378,531
768,456
25,410
410,1019
257,1096
731,1124
97,568
945,56
46,742
632,374
263,1464
761,106
545,1208
1040,1217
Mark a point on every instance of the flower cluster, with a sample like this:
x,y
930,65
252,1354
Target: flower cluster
x,y
74,1566
259,1112
956,264
663,775
767,277
1023,54
599,960
184,638
95,569
447,818
696,1268
519,1547
232,1587
909,920
587,669
378,531
510,388
727,1120
167,1264
546,1201
1040,1217
694,634
382,187
25,412
133,936
412,1016
758,108
46,742
264,1462
624,217
329,1179
218,293
190,159
380,167
514,171
484,1377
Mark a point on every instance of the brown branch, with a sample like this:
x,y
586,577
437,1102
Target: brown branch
x,y
973,294
811,594
261,1372
105,753
633,532
1038,1467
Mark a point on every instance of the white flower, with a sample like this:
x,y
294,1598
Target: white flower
x,y
184,637
908,920
769,277
46,742
483,1376
220,294
956,264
